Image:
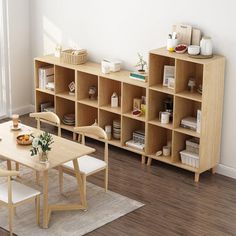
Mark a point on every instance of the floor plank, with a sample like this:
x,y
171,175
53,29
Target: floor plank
x,y
175,204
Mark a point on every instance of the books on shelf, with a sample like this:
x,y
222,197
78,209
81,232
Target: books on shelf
x,y
46,77
139,76
46,106
131,143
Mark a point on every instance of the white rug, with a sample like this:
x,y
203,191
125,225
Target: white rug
x,y
102,209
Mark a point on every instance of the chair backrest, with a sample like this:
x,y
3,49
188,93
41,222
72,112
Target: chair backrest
x,y
47,117
96,131
9,174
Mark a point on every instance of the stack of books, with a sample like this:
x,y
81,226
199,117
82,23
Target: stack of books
x,y
139,76
138,141
47,106
69,119
46,78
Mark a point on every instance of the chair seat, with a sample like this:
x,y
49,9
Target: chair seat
x,y
20,192
87,164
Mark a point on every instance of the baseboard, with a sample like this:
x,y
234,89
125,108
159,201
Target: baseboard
x,y
226,170
23,110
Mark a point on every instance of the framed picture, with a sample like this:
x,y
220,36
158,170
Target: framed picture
x,y
169,72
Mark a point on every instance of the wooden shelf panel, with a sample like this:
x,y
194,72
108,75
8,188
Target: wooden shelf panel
x,y
130,115
186,167
158,123
45,91
66,96
163,89
161,158
187,131
195,96
134,150
89,102
116,110
67,127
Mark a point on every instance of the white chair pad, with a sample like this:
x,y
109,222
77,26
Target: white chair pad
x,y
87,164
20,192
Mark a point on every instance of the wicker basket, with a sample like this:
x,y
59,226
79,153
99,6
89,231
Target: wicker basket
x,y
68,57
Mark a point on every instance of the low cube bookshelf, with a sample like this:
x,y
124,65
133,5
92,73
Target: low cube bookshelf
x,y
208,72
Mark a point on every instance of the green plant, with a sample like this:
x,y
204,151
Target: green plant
x,y
141,63
42,142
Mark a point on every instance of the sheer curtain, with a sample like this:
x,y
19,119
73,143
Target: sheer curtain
x,y
3,60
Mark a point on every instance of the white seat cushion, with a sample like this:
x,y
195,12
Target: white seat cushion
x,y
87,164
20,192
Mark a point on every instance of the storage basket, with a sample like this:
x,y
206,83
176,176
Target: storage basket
x,y
192,145
67,56
189,158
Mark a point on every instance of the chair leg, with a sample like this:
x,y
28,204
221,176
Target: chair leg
x,y
37,177
11,214
37,206
8,165
106,179
61,180
17,166
85,189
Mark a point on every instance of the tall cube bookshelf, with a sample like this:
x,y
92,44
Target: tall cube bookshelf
x,y
208,72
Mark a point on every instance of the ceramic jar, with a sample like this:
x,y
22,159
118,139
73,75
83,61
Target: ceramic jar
x,y
206,46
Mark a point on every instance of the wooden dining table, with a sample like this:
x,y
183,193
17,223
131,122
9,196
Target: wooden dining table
x,y
63,150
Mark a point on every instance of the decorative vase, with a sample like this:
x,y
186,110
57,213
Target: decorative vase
x,y
43,157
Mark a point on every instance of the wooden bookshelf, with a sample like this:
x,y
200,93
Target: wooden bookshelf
x,y
208,72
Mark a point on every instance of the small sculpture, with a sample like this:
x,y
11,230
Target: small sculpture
x,y
192,84
72,88
92,92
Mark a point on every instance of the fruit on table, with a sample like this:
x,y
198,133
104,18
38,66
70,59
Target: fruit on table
x,y
24,137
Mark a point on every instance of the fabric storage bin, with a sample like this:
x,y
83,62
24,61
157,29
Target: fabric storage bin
x,y
189,158
192,145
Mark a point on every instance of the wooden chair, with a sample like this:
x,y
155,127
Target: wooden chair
x,y
49,118
13,194
88,165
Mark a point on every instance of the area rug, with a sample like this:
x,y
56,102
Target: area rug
x,y
102,208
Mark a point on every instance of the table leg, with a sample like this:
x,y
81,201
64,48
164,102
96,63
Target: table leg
x,y
80,183
45,199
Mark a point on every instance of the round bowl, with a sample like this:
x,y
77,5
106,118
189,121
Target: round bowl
x,y
193,50
137,113
181,48
24,139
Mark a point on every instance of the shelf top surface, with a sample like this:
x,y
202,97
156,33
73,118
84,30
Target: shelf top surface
x,y
163,52
93,68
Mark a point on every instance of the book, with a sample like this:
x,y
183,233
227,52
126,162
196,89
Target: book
x,y
46,75
138,76
135,145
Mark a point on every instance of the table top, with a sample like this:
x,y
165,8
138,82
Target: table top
x,y
63,150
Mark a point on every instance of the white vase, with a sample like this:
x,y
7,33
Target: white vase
x,y
206,46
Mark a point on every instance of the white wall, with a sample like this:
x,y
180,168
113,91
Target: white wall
x,y
122,28
19,56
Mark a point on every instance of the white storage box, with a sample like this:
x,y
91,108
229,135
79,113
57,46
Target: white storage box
x,y
114,65
189,158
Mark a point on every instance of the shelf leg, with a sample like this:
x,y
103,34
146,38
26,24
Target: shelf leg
x,y
143,159
197,175
213,170
149,162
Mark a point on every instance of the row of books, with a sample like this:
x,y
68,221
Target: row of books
x,y
46,77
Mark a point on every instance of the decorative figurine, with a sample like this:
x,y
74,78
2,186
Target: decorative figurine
x,y
72,88
192,84
92,92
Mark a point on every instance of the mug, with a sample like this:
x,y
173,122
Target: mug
x,y
166,151
15,121
164,117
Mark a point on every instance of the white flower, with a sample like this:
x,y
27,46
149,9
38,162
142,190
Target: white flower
x,y
35,142
44,142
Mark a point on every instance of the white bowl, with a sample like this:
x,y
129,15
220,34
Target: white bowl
x,y
193,49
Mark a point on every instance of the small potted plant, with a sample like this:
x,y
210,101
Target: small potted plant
x,y
141,64
42,145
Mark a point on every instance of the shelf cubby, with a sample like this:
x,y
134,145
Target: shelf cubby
x,y
43,97
156,104
184,108
129,125
87,115
106,88
39,64
156,72
63,77
157,138
85,81
106,118
179,144
65,106
130,92
184,71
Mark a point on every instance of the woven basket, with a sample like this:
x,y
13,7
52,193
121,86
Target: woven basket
x,y
68,57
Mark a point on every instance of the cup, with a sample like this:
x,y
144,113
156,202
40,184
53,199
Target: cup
x,y
15,121
164,117
108,131
166,151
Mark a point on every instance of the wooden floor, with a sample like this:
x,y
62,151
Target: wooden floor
x,y
174,204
